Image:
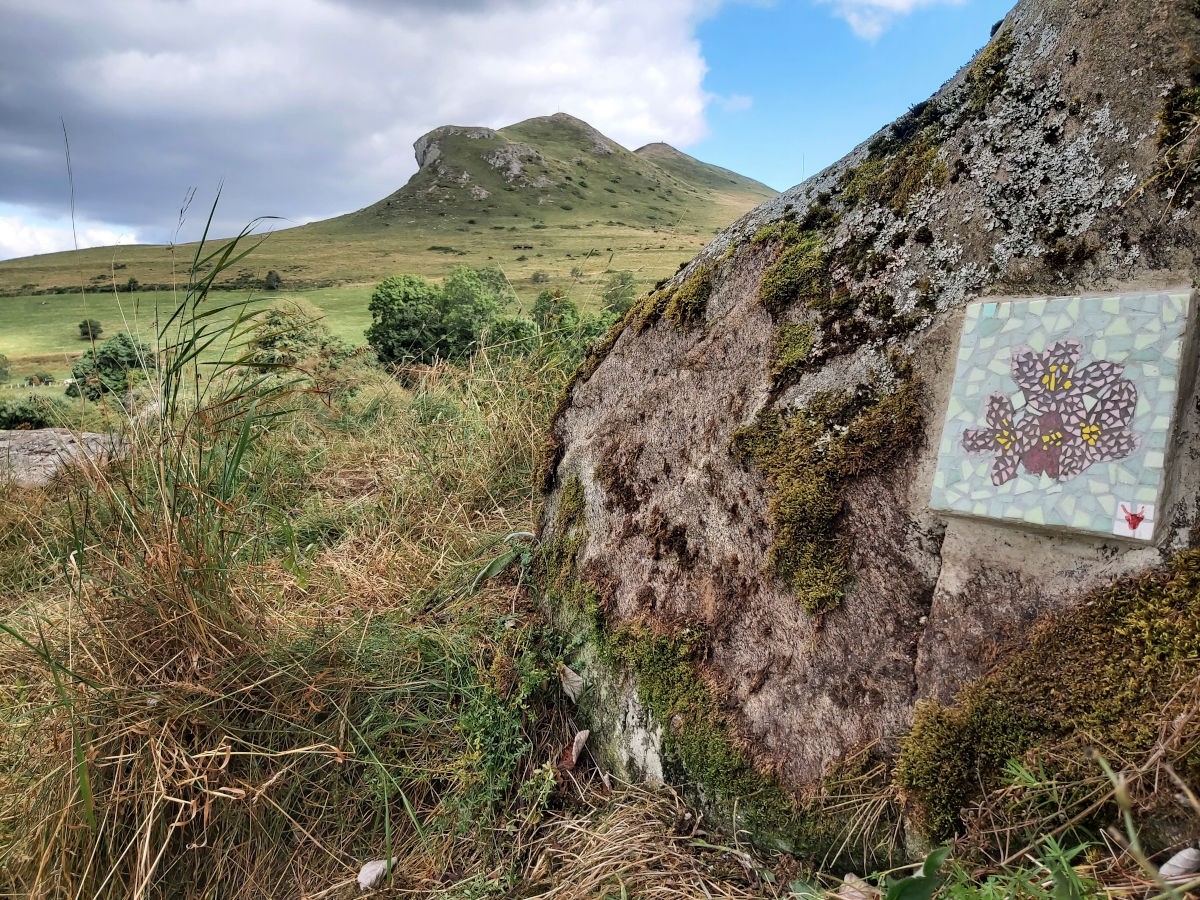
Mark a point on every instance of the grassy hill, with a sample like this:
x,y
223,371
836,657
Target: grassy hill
x,y
551,201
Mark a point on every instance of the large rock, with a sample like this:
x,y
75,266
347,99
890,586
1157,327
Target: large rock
x,y
704,496
32,457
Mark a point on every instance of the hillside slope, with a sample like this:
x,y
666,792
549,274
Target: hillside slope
x,y
553,185
555,169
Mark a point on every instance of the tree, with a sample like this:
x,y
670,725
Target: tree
x,y
404,311
5,368
131,285
619,292
272,282
89,330
413,320
107,368
497,282
469,305
40,378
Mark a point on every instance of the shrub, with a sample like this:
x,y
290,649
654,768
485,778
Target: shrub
x,y
553,311
5,368
89,329
513,335
107,368
272,282
413,320
619,292
290,331
539,277
31,412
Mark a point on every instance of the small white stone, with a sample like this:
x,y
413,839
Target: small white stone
x,y
370,874
1185,862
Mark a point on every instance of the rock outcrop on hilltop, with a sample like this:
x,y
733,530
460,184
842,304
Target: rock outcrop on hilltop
x,y
738,479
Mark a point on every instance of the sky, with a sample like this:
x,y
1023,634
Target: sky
x,y
306,109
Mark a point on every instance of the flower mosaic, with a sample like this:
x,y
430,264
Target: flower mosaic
x,y
1061,411
1057,434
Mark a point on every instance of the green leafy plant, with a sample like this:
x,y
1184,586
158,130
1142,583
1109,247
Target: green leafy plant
x,y
110,367
413,320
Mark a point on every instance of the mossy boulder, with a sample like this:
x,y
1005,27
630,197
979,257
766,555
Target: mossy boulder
x,y
761,593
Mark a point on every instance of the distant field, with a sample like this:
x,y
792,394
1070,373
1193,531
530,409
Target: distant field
x,y
307,258
41,332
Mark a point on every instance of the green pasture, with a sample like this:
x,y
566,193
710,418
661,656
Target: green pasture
x,y
41,332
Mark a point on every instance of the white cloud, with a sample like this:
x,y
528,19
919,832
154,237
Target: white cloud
x,y
871,18
23,233
309,108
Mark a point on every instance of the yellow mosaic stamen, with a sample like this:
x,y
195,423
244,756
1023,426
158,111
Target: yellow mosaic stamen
x,y
1004,438
1051,379
1053,439
1091,434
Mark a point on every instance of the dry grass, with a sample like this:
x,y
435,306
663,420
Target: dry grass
x,y
243,671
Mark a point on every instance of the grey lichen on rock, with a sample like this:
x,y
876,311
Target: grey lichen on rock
x,y
756,471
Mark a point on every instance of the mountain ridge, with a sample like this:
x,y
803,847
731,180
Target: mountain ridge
x,y
549,164
533,198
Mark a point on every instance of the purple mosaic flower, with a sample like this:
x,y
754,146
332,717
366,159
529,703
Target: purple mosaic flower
x,y
1008,440
1053,383
1102,434
1056,434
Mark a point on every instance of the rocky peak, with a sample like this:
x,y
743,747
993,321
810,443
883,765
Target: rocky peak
x,y
428,147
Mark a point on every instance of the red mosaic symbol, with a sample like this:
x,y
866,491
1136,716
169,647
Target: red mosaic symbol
x,y
1134,519
1056,434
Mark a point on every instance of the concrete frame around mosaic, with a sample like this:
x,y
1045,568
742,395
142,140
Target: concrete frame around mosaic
x,y
1062,411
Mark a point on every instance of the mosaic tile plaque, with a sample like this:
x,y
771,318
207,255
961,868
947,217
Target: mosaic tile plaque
x,y
1061,412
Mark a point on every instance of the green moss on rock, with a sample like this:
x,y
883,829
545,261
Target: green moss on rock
x,y
698,749
799,274
989,72
689,302
1098,675
809,456
894,181
790,349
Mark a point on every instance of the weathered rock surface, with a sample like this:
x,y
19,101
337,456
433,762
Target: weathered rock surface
x,y
1044,167
32,457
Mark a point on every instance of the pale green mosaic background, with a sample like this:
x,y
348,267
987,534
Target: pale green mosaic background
x,y
1142,332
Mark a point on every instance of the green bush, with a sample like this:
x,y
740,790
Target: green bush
x,y
290,331
413,320
513,335
31,412
107,368
619,292
5,368
89,329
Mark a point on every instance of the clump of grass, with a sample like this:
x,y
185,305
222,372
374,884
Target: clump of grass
x,y
203,698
